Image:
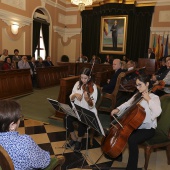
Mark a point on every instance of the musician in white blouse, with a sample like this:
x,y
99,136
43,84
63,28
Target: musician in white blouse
x,y
152,106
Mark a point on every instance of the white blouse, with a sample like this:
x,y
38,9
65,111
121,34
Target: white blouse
x,y
83,102
152,109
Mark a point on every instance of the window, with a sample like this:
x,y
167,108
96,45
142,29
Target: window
x,y
40,49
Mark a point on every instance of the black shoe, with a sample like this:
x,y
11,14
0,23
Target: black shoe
x,y
118,158
77,147
70,144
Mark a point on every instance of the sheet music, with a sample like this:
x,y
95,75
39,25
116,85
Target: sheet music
x,y
64,107
89,118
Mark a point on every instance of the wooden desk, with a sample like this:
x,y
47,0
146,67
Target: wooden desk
x,y
75,68
96,68
50,76
14,83
71,67
148,63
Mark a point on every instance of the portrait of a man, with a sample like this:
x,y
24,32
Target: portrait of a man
x,y
113,34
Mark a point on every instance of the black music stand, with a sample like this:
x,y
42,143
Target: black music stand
x,y
92,121
67,110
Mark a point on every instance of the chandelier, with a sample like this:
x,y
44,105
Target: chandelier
x,y
82,3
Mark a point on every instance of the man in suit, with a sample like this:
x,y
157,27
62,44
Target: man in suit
x,y
114,30
111,83
151,54
48,62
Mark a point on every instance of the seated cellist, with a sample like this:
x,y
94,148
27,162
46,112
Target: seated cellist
x,y
151,104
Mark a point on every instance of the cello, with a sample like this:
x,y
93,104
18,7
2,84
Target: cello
x,y
115,142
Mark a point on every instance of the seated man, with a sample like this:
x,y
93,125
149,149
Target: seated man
x,y
162,80
163,66
48,62
130,65
109,87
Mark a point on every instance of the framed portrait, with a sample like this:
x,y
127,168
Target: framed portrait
x,y
113,33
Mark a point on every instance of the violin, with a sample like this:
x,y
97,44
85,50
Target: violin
x,y
88,88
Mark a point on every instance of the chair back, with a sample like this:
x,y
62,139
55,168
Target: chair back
x,y
163,120
5,160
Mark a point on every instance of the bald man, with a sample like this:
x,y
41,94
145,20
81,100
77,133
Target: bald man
x,y
109,87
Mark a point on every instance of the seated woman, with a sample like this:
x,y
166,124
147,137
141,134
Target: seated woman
x,y
24,152
152,107
108,60
82,98
40,63
8,65
94,60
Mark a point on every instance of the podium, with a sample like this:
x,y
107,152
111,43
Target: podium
x,y
149,64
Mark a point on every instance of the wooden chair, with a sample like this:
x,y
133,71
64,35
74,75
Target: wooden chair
x,y
7,164
162,136
5,160
109,101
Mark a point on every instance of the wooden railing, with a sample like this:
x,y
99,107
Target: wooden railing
x,y
50,76
15,83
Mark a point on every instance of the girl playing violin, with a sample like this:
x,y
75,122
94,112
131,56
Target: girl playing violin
x,y
84,94
151,104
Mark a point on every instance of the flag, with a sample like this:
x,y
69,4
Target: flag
x,y
157,49
154,43
106,27
162,47
166,47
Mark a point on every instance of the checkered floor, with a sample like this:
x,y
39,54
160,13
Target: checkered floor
x,y
52,138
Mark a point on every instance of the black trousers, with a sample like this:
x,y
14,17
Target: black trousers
x,y
137,137
82,128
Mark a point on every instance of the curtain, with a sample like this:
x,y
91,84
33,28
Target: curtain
x,y
138,32
45,32
36,35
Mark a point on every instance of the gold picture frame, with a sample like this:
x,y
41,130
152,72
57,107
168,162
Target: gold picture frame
x,y
113,34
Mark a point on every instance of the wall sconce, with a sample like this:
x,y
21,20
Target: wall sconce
x,y
14,28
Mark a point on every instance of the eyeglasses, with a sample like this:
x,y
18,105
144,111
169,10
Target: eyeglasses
x,y
138,85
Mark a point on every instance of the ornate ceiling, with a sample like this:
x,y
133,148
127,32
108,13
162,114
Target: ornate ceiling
x,y
138,3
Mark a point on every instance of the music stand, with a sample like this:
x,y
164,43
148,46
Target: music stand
x,y
66,109
90,119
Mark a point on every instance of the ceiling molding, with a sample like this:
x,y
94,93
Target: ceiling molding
x,y
11,18
160,30
67,32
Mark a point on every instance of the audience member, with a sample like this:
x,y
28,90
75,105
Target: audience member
x,y
24,152
16,57
151,54
94,60
108,60
4,55
125,59
7,64
163,66
40,63
23,64
109,87
48,62
33,70
130,65
81,59
123,66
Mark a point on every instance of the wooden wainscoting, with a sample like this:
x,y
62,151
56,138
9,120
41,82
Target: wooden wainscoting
x,y
14,83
